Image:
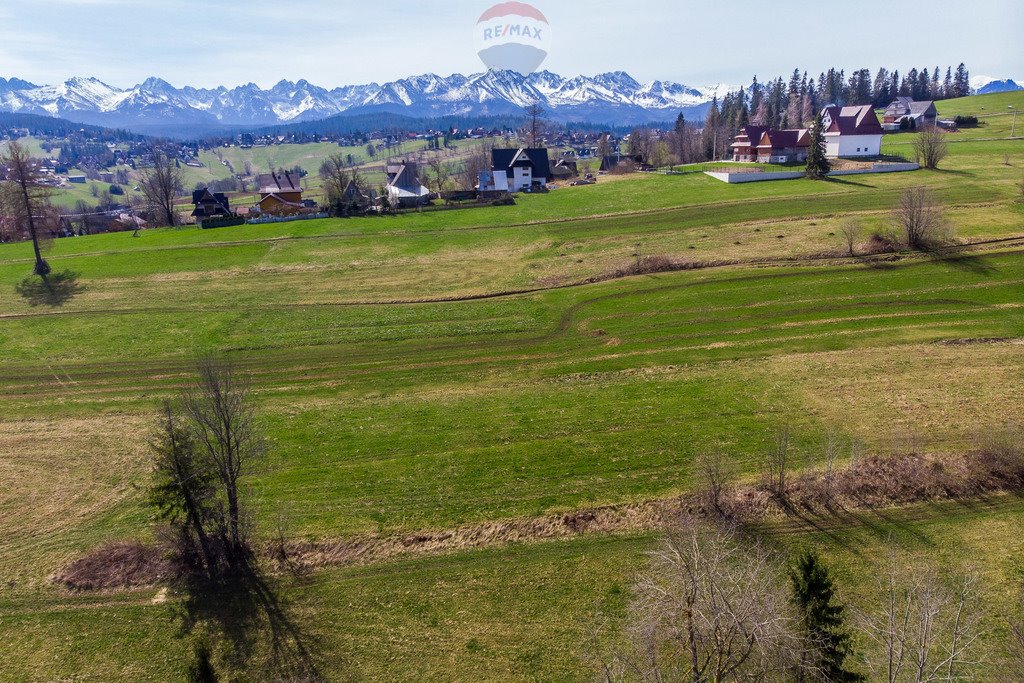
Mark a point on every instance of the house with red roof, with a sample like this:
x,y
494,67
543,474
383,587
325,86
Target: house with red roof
x,y
744,148
851,132
767,145
784,146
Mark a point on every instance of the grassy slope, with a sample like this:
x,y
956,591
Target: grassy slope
x,y
515,614
403,417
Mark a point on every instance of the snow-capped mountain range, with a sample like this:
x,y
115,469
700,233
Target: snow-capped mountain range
x,y
615,96
985,85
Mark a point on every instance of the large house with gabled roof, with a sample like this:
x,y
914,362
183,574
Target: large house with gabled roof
x,y
922,113
526,167
281,194
768,145
210,204
851,131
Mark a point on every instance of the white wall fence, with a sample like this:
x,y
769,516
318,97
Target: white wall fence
x,y
747,177
286,219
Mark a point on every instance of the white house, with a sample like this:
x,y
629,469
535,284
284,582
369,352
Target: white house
x,y
525,168
851,132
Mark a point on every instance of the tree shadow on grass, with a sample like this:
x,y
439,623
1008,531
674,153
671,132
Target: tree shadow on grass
x,y
949,171
970,263
244,611
841,181
55,290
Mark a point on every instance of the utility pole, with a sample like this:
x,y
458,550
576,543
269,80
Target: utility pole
x,y
1013,129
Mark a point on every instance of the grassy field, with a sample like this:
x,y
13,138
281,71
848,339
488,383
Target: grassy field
x,y
426,372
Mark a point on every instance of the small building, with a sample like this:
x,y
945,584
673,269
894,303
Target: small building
x,y
852,132
922,114
565,169
526,168
354,198
280,194
77,179
614,162
744,148
784,146
404,188
492,184
210,205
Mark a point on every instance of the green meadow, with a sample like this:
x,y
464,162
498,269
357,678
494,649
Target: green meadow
x,y
448,369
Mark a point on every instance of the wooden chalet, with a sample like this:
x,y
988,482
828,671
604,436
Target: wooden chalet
x,y
281,194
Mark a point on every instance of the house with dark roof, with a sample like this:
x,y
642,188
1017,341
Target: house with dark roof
x,y
404,188
354,197
614,162
564,169
922,113
209,205
851,131
281,194
526,167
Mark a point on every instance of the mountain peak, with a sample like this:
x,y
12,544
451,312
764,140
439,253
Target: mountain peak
x,y
155,84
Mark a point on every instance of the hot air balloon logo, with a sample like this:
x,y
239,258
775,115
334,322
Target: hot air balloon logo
x,y
513,36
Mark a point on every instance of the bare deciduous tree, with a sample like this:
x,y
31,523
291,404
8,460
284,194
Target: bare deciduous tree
x,y
161,184
921,218
776,464
642,142
710,608
930,147
439,170
26,198
223,421
831,453
336,173
1016,647
927,628
536,127
712,472
851,230
476,163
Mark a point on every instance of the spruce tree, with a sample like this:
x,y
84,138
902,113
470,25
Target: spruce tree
x,y
818,165
680,123
822,618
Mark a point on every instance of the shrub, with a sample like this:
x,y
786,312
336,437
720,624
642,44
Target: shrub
x,y
921,219
930,147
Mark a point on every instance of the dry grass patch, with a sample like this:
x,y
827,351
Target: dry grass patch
x,y
59,476
945,395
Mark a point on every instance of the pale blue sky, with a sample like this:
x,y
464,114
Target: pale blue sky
x,y
335,42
